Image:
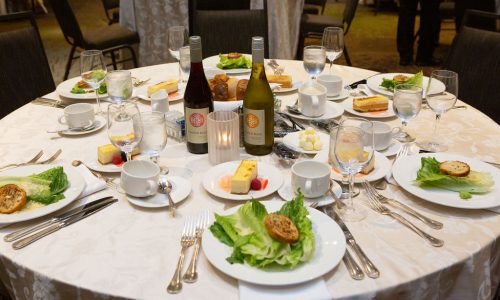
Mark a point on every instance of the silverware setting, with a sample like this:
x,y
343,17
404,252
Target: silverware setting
x,y
33,160
277,69
109,181
136,82
403,151
285,154
202,223
49,102
165,187
79,129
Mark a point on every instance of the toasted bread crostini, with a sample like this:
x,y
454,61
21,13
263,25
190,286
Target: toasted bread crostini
x,y
12,198
454,168
281,228
233,55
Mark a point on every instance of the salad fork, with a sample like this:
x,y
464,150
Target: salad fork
x,y
403,151
48,160
377,206
384,200
203,220
34,159
187,240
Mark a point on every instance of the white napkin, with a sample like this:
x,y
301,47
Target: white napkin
x,y
312,290
92,183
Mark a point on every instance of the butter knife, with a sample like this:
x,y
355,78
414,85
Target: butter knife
x,y
82,208
368,266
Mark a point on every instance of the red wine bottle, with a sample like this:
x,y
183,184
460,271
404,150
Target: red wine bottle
x,y
198,101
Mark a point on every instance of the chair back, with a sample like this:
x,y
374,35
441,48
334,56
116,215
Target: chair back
x,y
224,31
195,5
110,4
68,22
25,73
471,56
349,12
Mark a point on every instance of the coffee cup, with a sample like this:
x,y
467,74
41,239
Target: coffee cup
x,y
312,99
78,115
312,177
332,83
139,178
382,135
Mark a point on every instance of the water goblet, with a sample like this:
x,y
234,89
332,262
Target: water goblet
x,y
314,60
407,102
93,71
125,128
185,63
154,136
333,41
176,39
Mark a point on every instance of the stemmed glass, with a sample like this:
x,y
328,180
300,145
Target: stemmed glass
x,y
407,102
93,71
154,136
333,41
176,39
119,84
354,149
125,128
314,60
440,101
185,63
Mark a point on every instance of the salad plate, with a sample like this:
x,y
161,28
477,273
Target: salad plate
x,y
332,110
181,188
212,61
329,250
64,90
405,171
35,210
211,180
374,84
389,113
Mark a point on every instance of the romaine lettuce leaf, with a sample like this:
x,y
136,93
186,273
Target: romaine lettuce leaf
x,y
234,63
416,79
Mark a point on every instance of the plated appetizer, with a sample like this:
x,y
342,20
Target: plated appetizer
x,y
244,179
81,87
234,60
416,79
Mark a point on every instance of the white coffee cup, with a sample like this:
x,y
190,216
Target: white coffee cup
x,y
139,178
159,101
333,84
312,177
78,115
382,135
312,99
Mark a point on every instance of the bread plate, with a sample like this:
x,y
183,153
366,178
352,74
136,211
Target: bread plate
x,y
64,90
293,138
212,61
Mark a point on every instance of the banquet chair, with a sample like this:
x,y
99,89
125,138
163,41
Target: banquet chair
x,y
314,6
474,56
312,26
24,72
110,7
108,39
228,30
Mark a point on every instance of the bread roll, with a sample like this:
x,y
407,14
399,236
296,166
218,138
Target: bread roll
x,y
281,228
241,88
12,198
220,91
232,83
454,168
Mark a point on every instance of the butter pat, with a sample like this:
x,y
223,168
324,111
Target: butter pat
x,y
242,178
170,86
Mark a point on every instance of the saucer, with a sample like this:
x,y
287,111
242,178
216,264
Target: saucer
x,y
392,149
332,110
99,123
343,94
181,188
287,193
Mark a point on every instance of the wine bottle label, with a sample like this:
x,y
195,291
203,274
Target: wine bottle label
x,y
254,122
196,125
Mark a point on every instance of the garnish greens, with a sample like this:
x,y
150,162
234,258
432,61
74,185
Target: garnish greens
x,y
234,63
245,232
46,187
102,89
474,183
416,79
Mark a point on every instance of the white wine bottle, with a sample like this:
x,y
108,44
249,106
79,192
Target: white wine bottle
x,y
258,106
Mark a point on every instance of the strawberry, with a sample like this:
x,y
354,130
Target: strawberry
x,y
117,160
255,184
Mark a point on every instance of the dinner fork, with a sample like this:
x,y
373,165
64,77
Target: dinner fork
x,y
380,208
48,160
187,240
34,159
191,275
403,151
384,200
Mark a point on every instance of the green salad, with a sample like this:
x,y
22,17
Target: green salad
x,y
46,187
245,232
77,90
241,62
474,183
416,79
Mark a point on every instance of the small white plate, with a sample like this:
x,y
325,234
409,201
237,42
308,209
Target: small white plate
x,y
332,110
343,94
287,193
142,93
99,122
374,84
64,90
279,89
389,113
292,140
392,149
212,61
181,188
213,175
107,168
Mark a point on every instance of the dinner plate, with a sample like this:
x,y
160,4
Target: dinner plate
x,y
75,188
212,61
181,188
64,90
329,250
389,113
213,175
142,93
292,140
287,193
374,84
332,110
99,123
343,94
405,170
295,86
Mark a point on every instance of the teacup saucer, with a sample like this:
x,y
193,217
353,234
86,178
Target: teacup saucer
x,y
287,193
99,123
181,188
343,94
392,149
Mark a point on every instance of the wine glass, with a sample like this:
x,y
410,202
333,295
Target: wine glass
x,y
407,102
119,85
354,149
154,137
93,71
314,60
440,100
124,132
333,41
176,39
185,63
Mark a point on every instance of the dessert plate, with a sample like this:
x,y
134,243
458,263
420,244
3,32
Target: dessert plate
x,y
212,177
332,110
181,188
278,89
95,165
374,84
292,140
142,93
287,193
64,90
370,115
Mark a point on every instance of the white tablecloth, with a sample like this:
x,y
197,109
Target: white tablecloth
x,y
130,252
152,18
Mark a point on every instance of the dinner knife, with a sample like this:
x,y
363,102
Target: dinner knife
x,y
27,230
368,266
61,224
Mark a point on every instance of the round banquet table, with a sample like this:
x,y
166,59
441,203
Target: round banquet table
x,y
129,252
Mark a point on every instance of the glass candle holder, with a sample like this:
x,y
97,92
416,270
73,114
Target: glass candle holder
x,y
223,136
